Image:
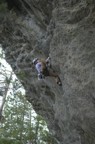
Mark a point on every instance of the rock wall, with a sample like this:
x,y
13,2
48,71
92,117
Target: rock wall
x,y
65,30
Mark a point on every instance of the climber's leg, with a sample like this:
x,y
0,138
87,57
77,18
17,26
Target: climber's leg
x,y
58,80
51,73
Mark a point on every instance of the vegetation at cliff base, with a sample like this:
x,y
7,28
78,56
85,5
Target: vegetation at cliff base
x,y
3,6
20,125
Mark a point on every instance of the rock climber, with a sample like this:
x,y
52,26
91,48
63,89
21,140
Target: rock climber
x,y
44,69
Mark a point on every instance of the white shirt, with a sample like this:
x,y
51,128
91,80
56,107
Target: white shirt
x,y
38,67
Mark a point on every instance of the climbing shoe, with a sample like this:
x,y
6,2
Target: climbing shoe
x,y
59,83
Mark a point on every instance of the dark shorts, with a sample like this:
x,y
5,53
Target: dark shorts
x,y
46,72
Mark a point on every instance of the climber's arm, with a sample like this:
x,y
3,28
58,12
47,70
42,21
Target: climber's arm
x,y
48,62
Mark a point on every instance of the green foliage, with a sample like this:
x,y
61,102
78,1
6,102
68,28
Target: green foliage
x,y
2,1
8,141
22,74
3,7
90,2
21,122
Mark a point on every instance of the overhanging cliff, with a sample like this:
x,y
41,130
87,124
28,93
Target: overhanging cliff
x,y
65,30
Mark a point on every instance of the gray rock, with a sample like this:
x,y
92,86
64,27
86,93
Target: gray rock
x,y
65,30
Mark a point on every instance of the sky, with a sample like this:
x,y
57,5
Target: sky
x,y
4,66
6,69
0,100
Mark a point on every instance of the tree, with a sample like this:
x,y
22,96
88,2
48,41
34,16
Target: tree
x,y
22,124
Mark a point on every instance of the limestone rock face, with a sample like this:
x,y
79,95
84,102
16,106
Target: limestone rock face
x,y
65,30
